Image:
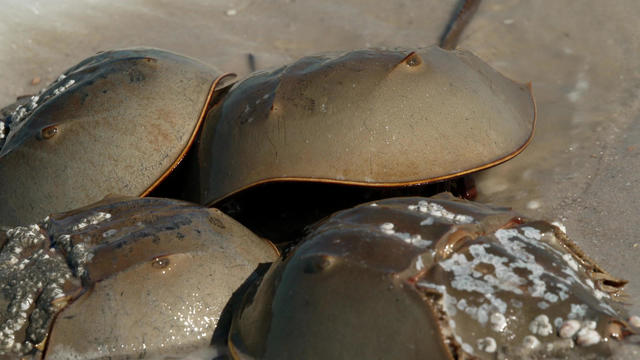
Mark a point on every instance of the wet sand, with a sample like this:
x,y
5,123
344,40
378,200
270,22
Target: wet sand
x,y
582,168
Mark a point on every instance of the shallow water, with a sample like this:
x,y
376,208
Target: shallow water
x,y
582,168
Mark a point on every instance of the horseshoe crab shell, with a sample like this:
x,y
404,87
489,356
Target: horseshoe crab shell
x,y
134,277
116,123
431,278
368,117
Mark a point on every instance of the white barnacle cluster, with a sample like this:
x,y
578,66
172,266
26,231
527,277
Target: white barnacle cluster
x,y
21,112
530,342
467,278
517,242
24,237
62,88
491,311
498,322
78,255
413,239
541,326
91,220
487,344
582,332
2,131
577,332
33,278
518,272
438,211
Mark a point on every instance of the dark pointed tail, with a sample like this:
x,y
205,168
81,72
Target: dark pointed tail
x,y
461,17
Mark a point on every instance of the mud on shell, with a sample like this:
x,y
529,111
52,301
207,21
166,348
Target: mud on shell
x,y
124,277
435,278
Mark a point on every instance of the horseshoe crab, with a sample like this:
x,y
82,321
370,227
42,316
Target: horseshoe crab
x,y
436,278
116,123
124,277
349,119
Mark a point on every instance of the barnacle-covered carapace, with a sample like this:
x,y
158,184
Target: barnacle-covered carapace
x,y
124,277
116,123
432,278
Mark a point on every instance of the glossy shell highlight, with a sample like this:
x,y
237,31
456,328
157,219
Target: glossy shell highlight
x,y
116,123
367,117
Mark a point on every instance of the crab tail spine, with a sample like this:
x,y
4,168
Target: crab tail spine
x,y
462,15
